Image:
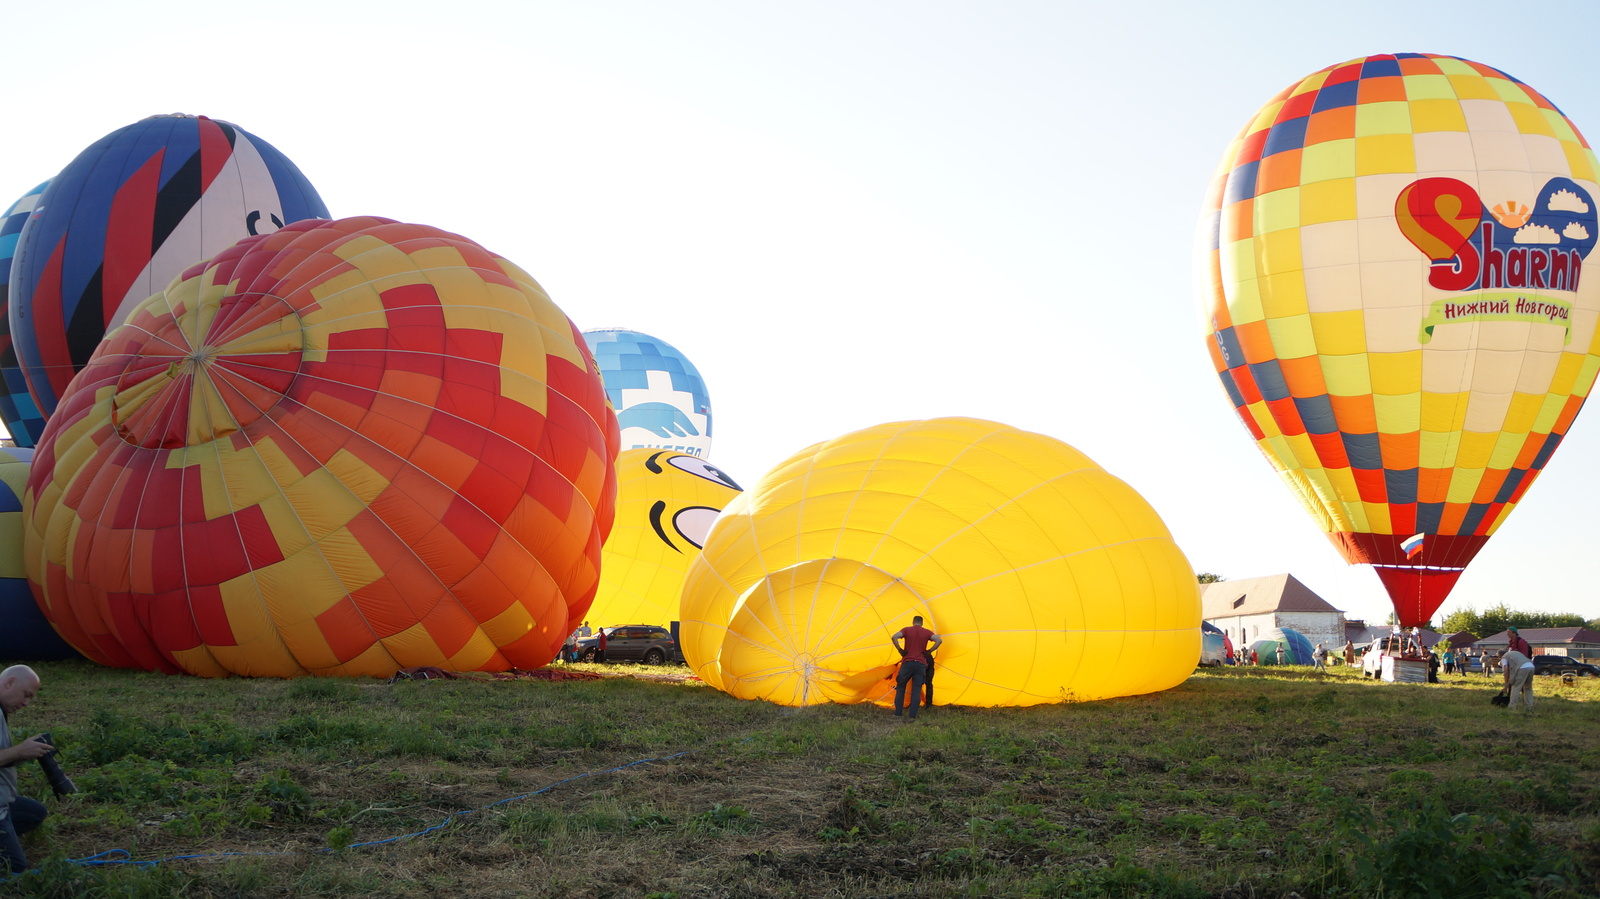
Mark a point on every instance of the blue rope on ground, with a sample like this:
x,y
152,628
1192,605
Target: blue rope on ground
x,y
123,857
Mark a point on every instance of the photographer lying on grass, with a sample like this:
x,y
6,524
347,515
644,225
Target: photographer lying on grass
x,y
18,814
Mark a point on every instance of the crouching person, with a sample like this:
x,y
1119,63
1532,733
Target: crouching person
x,y
18,814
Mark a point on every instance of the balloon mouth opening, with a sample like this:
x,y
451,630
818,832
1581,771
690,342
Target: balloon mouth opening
x,y
818,632
206,372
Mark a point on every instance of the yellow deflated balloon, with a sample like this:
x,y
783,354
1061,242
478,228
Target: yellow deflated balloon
x,y
1048,578
666,502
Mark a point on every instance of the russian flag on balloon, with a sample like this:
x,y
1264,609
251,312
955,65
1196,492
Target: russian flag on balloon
x,y
1412,546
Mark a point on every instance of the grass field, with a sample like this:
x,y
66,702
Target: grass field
x,y
1250,783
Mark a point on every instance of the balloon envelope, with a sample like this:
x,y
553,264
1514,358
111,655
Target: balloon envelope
x,y
343,448
1048,578
1296,647
666,502
128,215
25,634
660,398
1394,249
21,417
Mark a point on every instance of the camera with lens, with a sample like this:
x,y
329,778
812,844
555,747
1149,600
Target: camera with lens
x,y
60,783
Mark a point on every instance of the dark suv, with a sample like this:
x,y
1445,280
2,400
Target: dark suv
x,y
1563,665
647,643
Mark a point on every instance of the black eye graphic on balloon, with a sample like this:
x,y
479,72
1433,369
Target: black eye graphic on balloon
x,y
692,523
255,216
697,467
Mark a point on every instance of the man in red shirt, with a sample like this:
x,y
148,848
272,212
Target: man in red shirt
x,y
913,644
1518,644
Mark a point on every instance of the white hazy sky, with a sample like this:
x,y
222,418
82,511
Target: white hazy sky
x,y
845,213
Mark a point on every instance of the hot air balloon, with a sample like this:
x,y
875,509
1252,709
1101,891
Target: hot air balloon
x,y
1296,647
666,502
128,215
343,448
21,417
24,631
1048,578
1394,249
660,398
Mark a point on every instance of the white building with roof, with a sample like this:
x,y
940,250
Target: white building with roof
x,y
1248,608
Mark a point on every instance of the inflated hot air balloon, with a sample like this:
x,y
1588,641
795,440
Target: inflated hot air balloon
x,y
1296,647
1395,250
343,448
660,398
128,215
25,634
21,417
666,502
1048,578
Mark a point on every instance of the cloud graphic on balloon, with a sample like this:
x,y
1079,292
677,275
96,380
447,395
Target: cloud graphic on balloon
x,y
1537,234
1567,201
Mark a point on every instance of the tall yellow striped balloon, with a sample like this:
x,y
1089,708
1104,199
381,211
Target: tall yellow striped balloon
x,y
1394,249
1048,578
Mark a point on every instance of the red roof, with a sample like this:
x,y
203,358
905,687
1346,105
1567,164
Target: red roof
x,y
1546,636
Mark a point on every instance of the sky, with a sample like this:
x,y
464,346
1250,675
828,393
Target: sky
x,y
845,213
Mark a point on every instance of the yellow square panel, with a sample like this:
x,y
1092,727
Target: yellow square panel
x,y
1437,449
1472,87
1559,126
1377,515
1283,294
1506,449
1475,449
1530,119
1264,118
1397,414
1382,154
1305,454
1278,251
1291,336
1463,484
1328,201
1511,92
1524,409
1328,160
1387,117
1396,374
1311,83
1444,412
1549,413
1585,380
1266,423
1428,87
1346,375
1277,210
1581,160
1339,333
1437,115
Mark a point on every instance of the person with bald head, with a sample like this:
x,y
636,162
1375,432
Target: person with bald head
x,y
18,814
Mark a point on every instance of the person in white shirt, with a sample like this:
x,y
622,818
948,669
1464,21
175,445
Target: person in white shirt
x,y
1518,670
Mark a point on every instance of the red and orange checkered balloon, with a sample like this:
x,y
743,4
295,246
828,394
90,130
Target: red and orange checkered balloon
x,y
343,448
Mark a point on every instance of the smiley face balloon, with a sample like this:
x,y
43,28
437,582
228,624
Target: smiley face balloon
x,y
1048,578
666,502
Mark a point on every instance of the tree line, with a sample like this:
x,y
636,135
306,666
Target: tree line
x,y
1495,619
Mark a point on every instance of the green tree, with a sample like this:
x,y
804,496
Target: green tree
x,y
1206,577
1497,618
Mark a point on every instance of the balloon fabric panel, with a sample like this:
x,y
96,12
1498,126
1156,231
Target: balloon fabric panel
x,y
1394,249
666,503
127,215
18,412
341,448
660,398
1047,577
25,634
